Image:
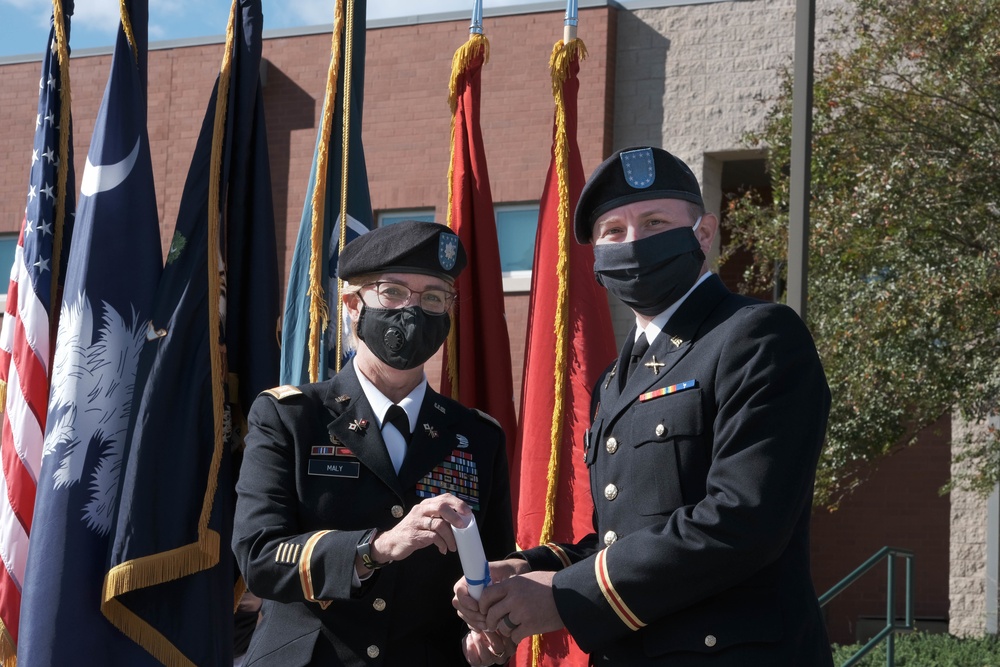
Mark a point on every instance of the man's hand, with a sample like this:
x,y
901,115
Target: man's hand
x,y
468,607
521,606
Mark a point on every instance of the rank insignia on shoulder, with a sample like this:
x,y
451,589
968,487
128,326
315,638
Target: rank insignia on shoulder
x,y
489,418
284,391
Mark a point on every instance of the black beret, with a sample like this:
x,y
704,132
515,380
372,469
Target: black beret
x,y
631,175
408,246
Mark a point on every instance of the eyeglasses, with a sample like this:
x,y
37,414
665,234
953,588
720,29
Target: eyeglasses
x,y
395,295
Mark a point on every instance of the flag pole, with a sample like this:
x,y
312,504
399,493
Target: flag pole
x,y
477,18
345,161
572,19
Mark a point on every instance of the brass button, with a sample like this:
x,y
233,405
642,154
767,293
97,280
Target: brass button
x,y
379,604
611,445
397,511
611,492
610,537
373,651
710,641
660,429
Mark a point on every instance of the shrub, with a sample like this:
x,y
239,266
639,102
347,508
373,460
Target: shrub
x,y
920,649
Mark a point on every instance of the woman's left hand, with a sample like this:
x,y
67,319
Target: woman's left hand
x,y
487,648
428,522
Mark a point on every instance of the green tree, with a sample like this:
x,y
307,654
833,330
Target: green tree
x,y
904,265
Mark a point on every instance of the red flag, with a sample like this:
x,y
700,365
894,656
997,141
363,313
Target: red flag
x,y
570,343
26,338
477,365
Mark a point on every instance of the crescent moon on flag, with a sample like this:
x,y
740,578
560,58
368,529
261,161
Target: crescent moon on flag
x,y
101,178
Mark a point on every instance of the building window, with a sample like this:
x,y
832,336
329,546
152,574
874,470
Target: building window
x,y
8,245
392,217
516,227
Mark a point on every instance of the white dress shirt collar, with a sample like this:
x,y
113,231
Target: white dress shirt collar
x,y
656,324
380,404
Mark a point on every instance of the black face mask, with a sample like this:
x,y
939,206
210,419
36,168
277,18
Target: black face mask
x,y
652,273
404,338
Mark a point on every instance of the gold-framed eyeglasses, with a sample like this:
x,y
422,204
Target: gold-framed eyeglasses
x,y
397,295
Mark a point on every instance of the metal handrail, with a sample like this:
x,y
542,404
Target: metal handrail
x,y
891,627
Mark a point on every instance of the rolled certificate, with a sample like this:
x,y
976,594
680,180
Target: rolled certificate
x,y
474,563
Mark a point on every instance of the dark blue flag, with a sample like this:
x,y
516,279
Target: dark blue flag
x,y
295,333
212,347
113,268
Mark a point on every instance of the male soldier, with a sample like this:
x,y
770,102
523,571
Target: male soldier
x,y
702,456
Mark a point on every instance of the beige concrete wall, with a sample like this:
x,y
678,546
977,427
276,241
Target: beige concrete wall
x,y
694,79
967,576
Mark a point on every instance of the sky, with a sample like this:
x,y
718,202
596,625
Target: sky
x,y
95,22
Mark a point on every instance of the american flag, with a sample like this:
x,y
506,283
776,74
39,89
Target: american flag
x,y
26,338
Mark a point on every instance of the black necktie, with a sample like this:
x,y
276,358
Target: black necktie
x,y
396,416
638,351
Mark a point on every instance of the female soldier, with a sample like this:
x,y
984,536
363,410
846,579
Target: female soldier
x,y
337,501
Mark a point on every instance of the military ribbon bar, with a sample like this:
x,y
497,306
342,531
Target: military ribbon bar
x,y
672,389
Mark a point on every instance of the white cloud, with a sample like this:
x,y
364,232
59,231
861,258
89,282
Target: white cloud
x,y
39,11
100,16
320,12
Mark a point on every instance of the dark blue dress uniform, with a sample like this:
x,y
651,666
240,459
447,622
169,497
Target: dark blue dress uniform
x,y
701,470
315,477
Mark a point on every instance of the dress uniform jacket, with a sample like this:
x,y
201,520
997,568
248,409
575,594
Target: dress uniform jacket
x,y
702,472
315,477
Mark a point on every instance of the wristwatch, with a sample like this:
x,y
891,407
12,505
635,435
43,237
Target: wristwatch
x,y
365,550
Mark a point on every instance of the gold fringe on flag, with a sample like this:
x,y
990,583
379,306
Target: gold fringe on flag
x,y
127,27
180,562
459,64
563,54
319,311
65,101
8,650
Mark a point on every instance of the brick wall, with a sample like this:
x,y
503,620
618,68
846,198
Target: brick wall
x,y
407,120
898,505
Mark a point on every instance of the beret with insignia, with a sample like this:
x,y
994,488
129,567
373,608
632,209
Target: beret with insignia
x,y
409,246
631,175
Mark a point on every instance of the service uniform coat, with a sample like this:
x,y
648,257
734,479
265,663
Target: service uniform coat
x,y
702,472
316,475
